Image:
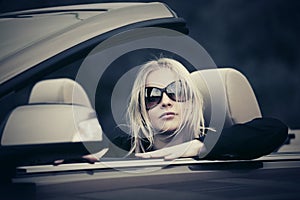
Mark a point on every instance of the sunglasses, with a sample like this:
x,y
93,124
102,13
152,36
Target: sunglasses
x,y
174,91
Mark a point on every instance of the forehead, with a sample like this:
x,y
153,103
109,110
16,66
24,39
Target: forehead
x,y
161,78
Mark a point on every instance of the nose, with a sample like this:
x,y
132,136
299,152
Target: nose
x,y
166,101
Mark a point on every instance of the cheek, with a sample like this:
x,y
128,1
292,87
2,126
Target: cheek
x,y
184,111
181,107
153,115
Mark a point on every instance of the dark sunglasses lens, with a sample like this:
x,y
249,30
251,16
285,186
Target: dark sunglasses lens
x,y
152,97
175,92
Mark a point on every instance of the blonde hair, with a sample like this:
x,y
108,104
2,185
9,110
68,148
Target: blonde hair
x,y
139,122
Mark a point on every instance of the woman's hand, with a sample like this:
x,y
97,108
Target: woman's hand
x,y
187,149
90,158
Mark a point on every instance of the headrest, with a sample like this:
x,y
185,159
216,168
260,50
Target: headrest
x,y
61,90
50,123
239,98
59,110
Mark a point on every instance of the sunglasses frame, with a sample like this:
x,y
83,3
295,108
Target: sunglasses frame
x,y
162,91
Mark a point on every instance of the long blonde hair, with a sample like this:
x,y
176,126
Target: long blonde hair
x,y
137,116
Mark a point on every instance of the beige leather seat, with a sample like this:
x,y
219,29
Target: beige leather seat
x,y
58,111
63,90
228,88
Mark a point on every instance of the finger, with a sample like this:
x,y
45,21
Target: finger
x,y
90,158
160,154
153,154
143,155
73,160
173,156
58,162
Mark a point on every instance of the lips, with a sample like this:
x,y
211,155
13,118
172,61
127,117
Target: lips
x,y
167,114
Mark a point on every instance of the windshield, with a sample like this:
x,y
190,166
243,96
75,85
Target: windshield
x,y
21,31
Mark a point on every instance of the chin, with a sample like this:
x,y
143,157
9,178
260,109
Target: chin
x,y
169,128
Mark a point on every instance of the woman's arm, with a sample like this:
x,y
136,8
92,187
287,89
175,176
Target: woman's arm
x,y
245,141
187,149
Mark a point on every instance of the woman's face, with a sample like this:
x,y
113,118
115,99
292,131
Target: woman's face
x,y
167,115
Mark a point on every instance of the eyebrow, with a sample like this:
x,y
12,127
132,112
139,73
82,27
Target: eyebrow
x,y
160,85
155,85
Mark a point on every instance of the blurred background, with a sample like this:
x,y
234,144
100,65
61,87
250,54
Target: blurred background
x,y
259,38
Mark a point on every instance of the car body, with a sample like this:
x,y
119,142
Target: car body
x,y
52,43
36,41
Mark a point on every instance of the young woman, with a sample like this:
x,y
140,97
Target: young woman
x,y
166,120
165,111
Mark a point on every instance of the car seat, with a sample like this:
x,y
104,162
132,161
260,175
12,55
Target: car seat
x,y
58,111
228,99
229,91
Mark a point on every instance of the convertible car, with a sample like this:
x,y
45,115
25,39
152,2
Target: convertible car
x,y
65,73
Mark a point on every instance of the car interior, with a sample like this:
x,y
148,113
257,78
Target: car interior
x,y
71,125
59,111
